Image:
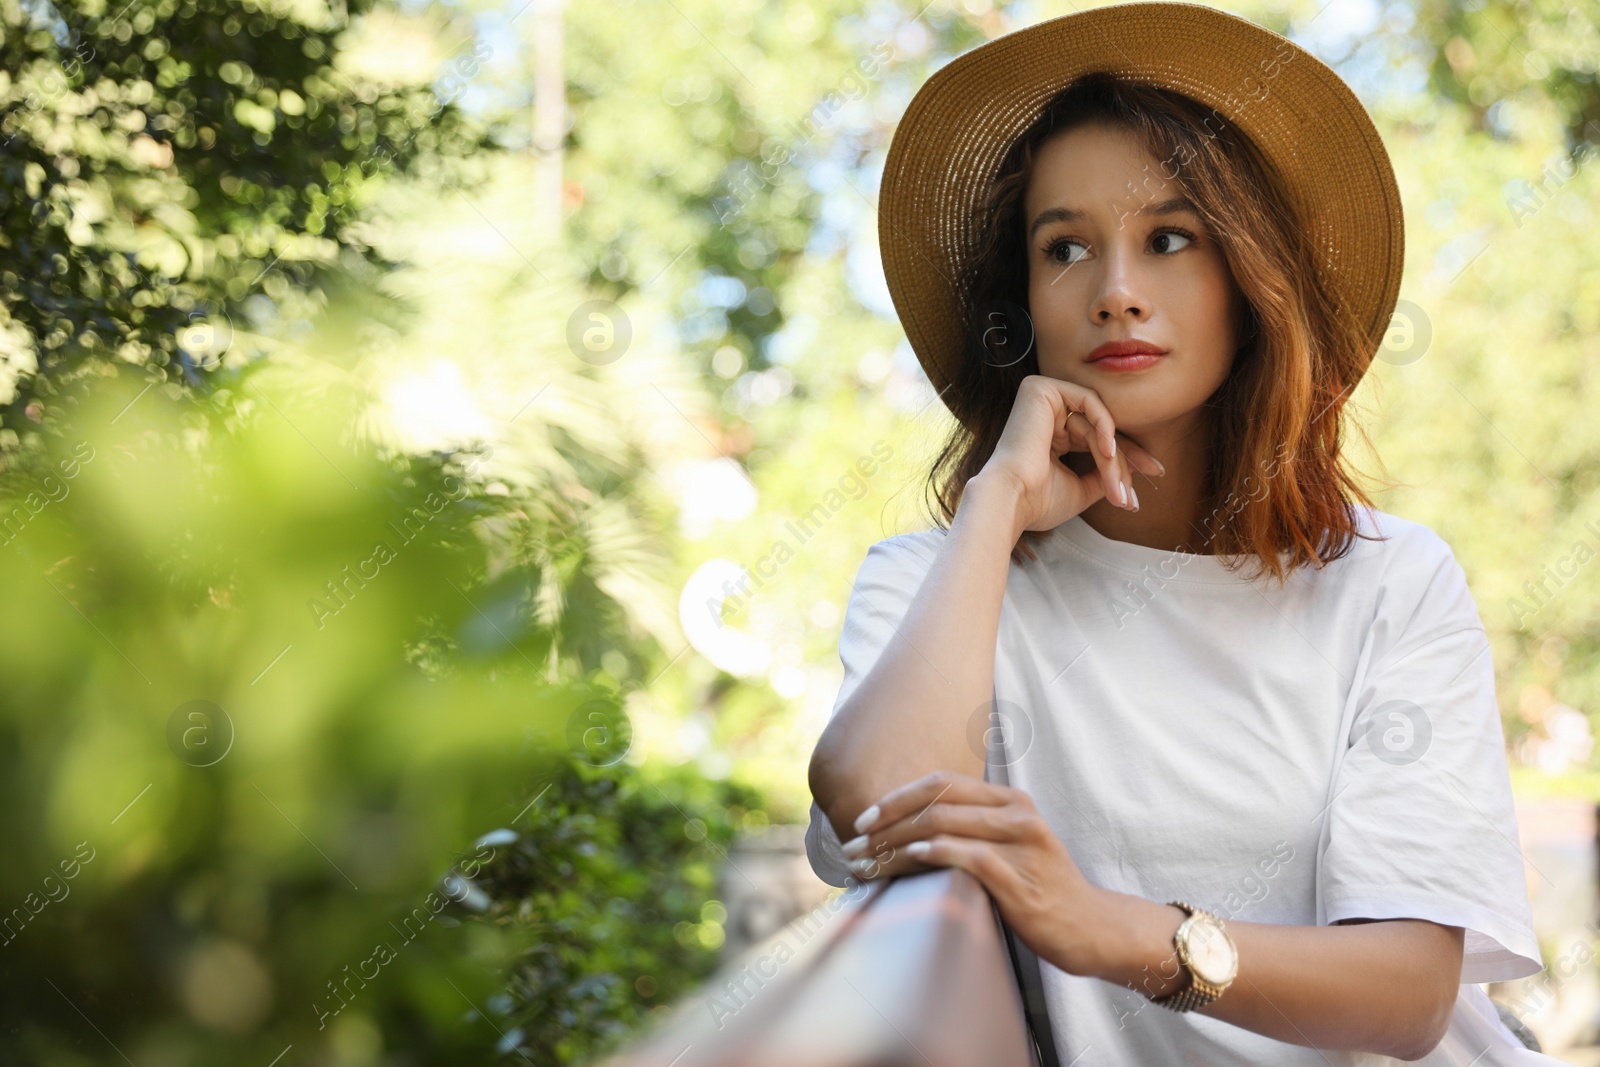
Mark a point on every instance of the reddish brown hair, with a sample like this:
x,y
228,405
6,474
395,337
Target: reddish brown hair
x,y
1276,481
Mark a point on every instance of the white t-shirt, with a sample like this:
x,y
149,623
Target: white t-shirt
x,y
1300,754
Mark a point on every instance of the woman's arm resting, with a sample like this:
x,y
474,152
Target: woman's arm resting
x,y
911,713
1381,986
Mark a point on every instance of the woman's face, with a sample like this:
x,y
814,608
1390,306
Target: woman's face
x,y
1099,270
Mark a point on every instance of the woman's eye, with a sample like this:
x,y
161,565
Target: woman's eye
x,y
1164,239
1055,249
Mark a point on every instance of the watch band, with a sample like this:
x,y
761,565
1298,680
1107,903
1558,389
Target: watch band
x,y
1198,993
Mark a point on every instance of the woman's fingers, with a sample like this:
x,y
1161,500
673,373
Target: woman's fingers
x,y
1125,471
1091,407
1080,436
1141,460
885,861
1130,456
912,798
983,821
976,857
1104,445
1116,479
938,851
1078,414
1084,423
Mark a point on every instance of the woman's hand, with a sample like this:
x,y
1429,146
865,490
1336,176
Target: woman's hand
x,y
946,819
1049,418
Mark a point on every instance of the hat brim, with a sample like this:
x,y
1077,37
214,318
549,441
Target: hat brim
x,y
1299,112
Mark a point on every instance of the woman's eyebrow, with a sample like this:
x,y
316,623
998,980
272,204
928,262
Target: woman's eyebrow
x,y
1171,206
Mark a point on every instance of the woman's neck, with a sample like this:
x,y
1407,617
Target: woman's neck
x,y
1170,514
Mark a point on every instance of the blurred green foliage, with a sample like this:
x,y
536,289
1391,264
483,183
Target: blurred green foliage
x,y
371,705
289,665
1488,52
612,892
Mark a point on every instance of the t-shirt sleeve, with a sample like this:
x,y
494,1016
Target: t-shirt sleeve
x,y
885,584
1421,822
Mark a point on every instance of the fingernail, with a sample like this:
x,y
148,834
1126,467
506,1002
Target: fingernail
x,y
1122,498
855,846
1135,493
863,866
1161,467
1113,448
865,820
918,848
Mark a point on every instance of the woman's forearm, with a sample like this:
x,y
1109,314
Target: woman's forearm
x,y
910,714
1387,987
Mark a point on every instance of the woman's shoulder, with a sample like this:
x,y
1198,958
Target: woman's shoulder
x,y
914,544
1389,541
1413,572
899,561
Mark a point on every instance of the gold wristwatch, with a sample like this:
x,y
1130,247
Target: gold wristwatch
x,y
1207,953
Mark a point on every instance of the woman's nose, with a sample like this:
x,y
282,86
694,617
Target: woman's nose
x,y
1122,286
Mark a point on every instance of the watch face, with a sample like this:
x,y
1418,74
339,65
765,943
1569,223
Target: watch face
x,y
1211,953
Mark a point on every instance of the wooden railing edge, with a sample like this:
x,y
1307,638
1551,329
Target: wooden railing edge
x,y
913,970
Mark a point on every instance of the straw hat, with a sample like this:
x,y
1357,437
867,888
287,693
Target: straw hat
x,y
1300,113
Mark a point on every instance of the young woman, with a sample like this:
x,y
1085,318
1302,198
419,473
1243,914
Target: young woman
x,y
1214,732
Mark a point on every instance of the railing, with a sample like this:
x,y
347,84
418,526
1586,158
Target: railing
x,y
915,971
911,972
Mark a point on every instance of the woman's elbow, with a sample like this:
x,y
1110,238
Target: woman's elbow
x,y
1445,988
1426,1040
1419,1037
834,786
1444,1012
818,778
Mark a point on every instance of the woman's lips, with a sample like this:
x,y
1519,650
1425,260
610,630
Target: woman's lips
x,y
1128,363
1126,354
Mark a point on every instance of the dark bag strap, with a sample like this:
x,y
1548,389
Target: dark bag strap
x,y
1026,966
